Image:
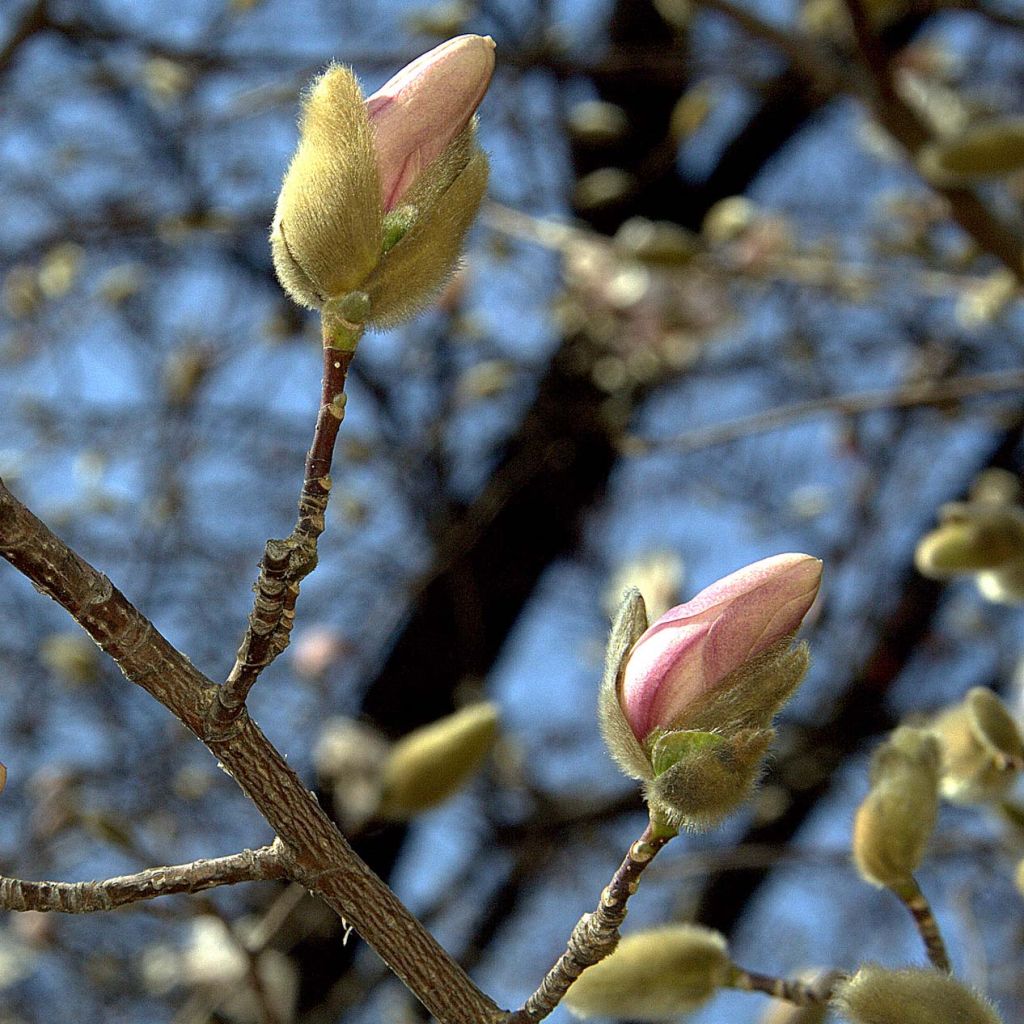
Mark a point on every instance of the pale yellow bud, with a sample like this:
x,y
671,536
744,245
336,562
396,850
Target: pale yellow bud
x,y
326,236
876,995
895,821
972,537
433,762
982,748
654,975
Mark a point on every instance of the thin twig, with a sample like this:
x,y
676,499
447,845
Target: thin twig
x,y
816,992
907,396
596,935
924,920
287,562
89,897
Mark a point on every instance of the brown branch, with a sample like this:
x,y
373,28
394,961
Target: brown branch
x,y
313,851
908,396
927,926
792,990
89,897
596,935
287,562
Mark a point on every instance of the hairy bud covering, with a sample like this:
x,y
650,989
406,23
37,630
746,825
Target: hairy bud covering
x,y
896,819
876,995
653,975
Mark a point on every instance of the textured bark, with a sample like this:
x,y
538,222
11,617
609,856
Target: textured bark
x,y
312,849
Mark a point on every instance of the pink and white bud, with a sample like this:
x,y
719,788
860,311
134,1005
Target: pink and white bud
x,y
417,114
694,647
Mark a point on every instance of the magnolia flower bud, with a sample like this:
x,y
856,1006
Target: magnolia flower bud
x,y
419,112
896,819
876,995
653,975
689,710
381,192
433,762
982,748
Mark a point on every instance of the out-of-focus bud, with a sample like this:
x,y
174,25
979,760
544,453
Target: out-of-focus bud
x,y
658,242
728,219
350,758
596,122
996,487
691,111
896,819
982,748
432,763
72,657
983,537
603,187
1018,877
877,995
3,777
984,151
687,706
654,975
381,192
658,575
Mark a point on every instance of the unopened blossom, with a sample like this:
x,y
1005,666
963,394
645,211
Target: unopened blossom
x,y
687,704
694,647
419,112
379,196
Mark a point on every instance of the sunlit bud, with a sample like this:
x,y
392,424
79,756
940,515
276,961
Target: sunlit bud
x,y
972,536
688,708
417,114
1018,877
381,192
694,648
896,819
597,122
982,748
984,151
877,995
433,762
653,975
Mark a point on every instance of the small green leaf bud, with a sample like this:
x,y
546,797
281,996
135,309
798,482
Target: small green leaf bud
x,y
653,975
433,762
982,748
876,995
895,821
